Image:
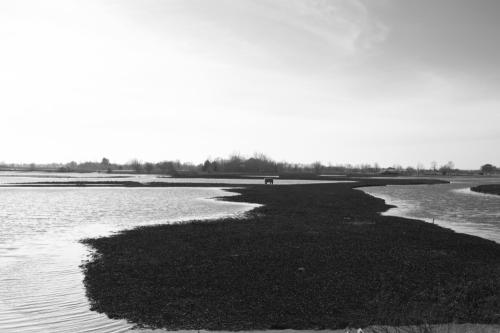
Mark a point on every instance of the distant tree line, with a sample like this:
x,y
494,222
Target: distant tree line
x,y
488,169
258,164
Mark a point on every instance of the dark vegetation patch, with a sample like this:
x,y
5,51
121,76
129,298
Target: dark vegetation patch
x,y
489,189
314,256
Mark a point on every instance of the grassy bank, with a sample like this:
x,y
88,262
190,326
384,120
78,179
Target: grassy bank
x,y
488,189
314,256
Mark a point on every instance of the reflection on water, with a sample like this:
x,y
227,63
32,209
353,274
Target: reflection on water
x,y
41,286
13,177
451,205
29,177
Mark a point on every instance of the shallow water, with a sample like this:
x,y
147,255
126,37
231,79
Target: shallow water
x,y
14,177
41,286
452,205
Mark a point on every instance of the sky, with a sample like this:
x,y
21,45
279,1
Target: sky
x,y
338,81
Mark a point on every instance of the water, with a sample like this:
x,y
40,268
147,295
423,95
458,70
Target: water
x,y
41,286
452,205
13,177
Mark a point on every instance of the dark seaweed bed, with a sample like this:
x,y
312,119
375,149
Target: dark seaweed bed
x,y
314,256
488,189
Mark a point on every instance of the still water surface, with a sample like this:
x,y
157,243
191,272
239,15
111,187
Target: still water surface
x,y
31,177
451,205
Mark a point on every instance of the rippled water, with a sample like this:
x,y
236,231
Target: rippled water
x,y
452,205
41,286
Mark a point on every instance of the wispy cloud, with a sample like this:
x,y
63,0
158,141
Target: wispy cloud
x,y
337,80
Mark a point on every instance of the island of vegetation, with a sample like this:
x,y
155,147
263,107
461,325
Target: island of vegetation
x,y
488,189
313,256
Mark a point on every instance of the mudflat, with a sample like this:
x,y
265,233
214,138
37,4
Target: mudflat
x,y
488,189
317,256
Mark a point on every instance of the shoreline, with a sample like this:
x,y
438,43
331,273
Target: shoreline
x,y
471,227
45,264
493,189
313,257
440,328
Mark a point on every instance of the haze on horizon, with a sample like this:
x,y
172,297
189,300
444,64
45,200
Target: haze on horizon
x,y
340,81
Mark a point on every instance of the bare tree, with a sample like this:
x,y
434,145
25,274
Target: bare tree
x,y
136,165
434,166
317,167
166,167
207,166
447,168
149,167
420,168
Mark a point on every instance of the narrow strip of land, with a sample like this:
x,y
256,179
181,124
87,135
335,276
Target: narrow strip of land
x,y
313,256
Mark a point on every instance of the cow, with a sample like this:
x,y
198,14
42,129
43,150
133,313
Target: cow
x,y
268,181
